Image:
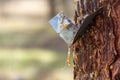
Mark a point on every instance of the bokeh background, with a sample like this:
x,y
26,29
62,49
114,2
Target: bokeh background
x,y
29,48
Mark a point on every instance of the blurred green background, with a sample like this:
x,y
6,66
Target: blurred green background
x,y
29,48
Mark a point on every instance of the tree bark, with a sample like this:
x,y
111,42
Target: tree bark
x,y
97,52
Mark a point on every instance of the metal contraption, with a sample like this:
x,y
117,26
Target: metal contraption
x,y
68,31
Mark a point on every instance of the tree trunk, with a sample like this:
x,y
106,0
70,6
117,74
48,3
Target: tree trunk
x,y
52,7
96,53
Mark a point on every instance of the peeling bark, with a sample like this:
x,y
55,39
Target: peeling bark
x,y
96,54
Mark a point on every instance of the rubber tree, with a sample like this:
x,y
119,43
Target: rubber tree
x,y
97,53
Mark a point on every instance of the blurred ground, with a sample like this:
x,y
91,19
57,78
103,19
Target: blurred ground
x,y
28,45
34,64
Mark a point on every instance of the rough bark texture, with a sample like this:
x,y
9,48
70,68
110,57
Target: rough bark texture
x,y
97,53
